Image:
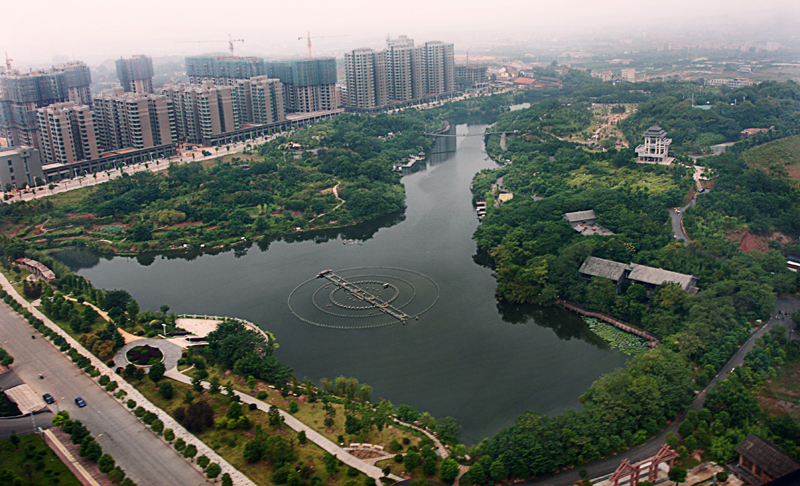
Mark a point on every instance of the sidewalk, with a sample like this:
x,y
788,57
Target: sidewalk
x,y
296,425
69,460
132,393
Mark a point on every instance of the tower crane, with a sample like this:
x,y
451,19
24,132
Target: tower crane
x,y
8,63
230,42
308,37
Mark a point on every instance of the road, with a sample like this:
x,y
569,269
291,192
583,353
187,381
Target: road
x,y
603,467
153,166
676,217
145,458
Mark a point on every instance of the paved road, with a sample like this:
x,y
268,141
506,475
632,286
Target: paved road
x,y
676,217
608,465
146,459
23,425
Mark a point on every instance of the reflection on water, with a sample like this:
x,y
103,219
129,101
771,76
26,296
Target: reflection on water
x,y
468,357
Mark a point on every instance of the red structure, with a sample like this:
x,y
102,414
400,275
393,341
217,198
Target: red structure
x,y
634,472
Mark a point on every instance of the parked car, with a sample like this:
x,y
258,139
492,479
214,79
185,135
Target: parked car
x,y
48,398
79,402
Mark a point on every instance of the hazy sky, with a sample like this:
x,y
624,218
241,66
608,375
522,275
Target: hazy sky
x,y
33,31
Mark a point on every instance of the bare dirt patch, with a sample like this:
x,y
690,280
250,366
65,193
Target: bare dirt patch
x,y
749,242
365,454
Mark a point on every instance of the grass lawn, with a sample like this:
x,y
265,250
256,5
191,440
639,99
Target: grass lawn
x,y
778,157
781,395
312,414
604,174
33,462
230,443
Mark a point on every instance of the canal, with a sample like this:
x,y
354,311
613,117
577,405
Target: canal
x,y
467,356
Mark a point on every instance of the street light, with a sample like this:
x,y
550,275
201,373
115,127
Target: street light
x,y
96,450
57,403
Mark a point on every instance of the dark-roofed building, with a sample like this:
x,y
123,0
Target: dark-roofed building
x,y
585,223
764,460
658,276
650,277
599,267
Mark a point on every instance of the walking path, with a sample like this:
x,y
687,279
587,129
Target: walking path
x,y
296,425
133,393
68,459
441,450
172,352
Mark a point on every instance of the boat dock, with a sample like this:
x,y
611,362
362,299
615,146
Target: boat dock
x,y
412,159
364,296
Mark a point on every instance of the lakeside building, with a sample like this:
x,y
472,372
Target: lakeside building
x,y
203,111
20,166
21,94
760,461
309,85
471,77
134,120
400,73
135,74
67,133
650,277
655,149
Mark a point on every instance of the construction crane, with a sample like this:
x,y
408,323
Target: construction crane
x,y
308,37
230,42
8,63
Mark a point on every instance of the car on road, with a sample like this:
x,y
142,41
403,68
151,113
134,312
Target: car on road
x,y
79,402
48,398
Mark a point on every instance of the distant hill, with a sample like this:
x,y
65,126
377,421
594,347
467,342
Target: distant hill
x,y
780,157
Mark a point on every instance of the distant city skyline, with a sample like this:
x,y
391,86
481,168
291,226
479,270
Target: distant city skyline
x,y
272,30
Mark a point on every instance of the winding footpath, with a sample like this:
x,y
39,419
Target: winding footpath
x,y
320,440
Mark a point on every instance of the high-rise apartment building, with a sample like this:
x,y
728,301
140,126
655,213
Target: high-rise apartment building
x,y
135,74
365,71
308,85
134,120
439,61
67,133
402,72
21,94
259,100
203,111
223,71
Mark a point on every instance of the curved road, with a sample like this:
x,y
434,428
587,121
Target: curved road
x,y
605,466
145,458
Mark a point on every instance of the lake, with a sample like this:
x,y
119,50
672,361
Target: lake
x,y
467,356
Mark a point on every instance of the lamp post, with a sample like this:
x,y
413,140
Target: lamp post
x,y
96,450
164,324
57,403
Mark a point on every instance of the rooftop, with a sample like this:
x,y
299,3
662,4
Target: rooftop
x,y
767,456
659,276
599,267
579,216
655,131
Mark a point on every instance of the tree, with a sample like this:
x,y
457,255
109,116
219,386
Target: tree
x,y
677,474
197,384
157,372
15,440
180,444
429,466
213,470
203,461
411,461
165,389
157,426
449,470
60,418
293,407
226,480
498,470
106,463
190,451
169,435
116,475
214,385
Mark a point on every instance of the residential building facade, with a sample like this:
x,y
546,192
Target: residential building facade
x,y
309,85
134,120
67,133
135,74
19,166
21,94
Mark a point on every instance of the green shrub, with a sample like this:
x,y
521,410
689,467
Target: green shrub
x,y
293,407
213,470
203,461
149,417
131,404
140,411
169,435
180,444
111,386
261,395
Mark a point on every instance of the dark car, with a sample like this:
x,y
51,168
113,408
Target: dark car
x,y
79,402
48,398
